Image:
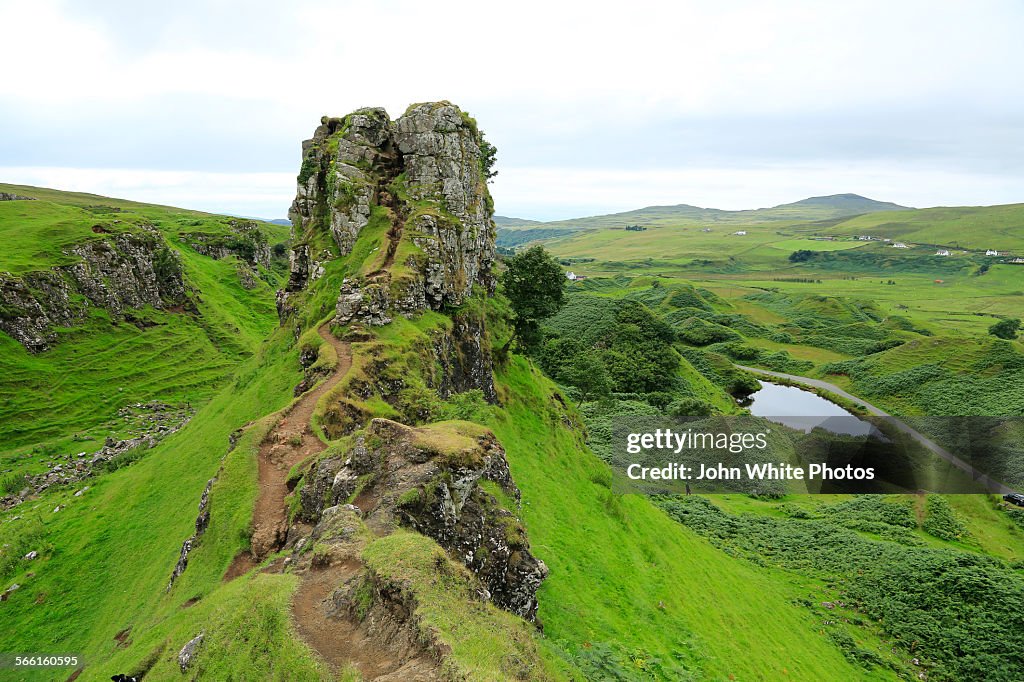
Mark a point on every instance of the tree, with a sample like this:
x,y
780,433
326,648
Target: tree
x,y
488,157
588,374
801,256
1005,329
535,286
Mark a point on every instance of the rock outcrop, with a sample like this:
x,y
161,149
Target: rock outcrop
x,y
442,480
123,272
8,196
245,241
420,178
465,358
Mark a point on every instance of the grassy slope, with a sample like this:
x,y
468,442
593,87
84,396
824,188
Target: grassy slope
x,y
815,208
98,367
613,560
107,556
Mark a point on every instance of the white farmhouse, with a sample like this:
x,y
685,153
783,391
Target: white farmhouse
x,y
942,252
899,245
740,233
991,252
571,276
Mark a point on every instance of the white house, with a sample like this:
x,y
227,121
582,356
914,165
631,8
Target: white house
x,y
991,252
571,276
899,245
1018,261
740,233
942,252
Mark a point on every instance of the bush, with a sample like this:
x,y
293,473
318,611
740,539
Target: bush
x,y
698,332
913,593
941,521
13,484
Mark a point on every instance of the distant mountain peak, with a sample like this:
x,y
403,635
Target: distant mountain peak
x,y
847,201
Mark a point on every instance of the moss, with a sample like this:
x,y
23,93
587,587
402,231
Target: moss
x,y
363,598
411,497
310,165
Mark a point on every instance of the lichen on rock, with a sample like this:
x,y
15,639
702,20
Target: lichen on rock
x,y
434,479
127,271
424,173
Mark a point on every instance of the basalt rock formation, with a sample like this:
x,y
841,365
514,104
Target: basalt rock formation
x,y
419,179
403,208
245,241
119,273
432,479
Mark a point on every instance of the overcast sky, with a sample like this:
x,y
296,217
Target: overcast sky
x,y
594,107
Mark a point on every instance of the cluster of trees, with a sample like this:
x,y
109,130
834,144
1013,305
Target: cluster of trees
x,y
610,347
1005,329
629,350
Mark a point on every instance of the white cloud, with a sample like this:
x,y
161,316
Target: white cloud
x,y
559,193
548,80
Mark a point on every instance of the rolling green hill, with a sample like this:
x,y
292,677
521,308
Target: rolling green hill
x,y
109,359
516,231
122,318
629,590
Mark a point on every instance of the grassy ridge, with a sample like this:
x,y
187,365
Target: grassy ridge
x,y
632,594
96,368
107,555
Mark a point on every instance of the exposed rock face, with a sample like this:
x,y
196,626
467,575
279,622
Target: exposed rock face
x,y
120,273
7,196
430,479
129,271
188,652
246,241
465,359
421,175
202,521
31,305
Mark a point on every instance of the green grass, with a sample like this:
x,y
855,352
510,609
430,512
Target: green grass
x,y
93,369
619,558
146,511
815,245
631,594
486,643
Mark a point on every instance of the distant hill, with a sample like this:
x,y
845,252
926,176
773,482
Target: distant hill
x,y
829,207
841,204
505,221
813,208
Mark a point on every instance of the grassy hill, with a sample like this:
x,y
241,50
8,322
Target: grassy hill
x,y
106,363
504,221
514,231
634,593
812,208
631,594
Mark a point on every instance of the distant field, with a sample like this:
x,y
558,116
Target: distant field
x,y
815,245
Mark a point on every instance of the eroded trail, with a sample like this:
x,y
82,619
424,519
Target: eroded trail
x,y
337,638
291,441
